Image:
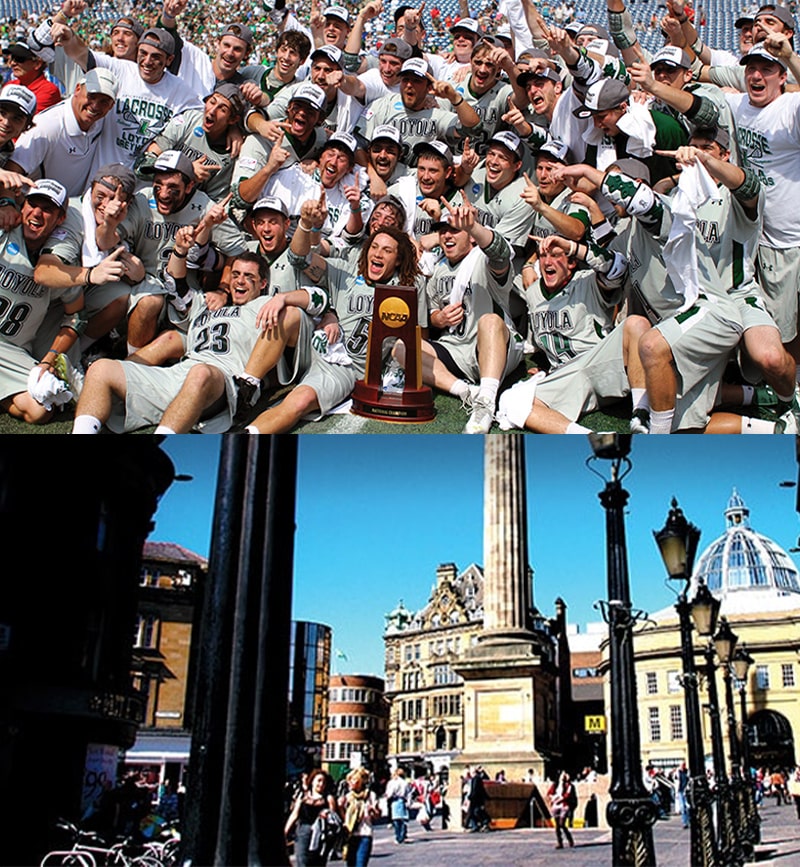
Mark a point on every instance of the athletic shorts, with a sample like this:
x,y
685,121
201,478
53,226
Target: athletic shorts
x,y
332,383
779,275
701,339
150,390
461,359
15,366
585,383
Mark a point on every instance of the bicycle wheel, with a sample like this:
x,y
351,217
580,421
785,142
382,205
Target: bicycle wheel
x,y
146,861
68,858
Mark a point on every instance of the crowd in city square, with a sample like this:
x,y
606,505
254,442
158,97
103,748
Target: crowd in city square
x,y
198,204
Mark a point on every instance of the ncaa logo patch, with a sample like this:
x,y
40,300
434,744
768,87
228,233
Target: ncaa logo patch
x,y
152,202
360,280
476,188
13,249
198,132
399,104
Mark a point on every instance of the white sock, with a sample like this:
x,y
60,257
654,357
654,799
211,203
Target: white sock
x,y
748,393
163,429
489,388
132,348
574,428
253,380
661,422
251,429
785,398
86,424
639,398
460,388
757,426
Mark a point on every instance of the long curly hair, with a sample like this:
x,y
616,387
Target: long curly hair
x,y
407,268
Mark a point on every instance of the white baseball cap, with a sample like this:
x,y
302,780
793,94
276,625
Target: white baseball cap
x,y
415,66
19,96
466,24
672,55
337,12
271,203
310,93
101,80
342,141
49,189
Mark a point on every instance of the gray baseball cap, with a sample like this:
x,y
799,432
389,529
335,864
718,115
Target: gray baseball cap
x,y
240,31
232,93
118,171
159,38
171,161
601,96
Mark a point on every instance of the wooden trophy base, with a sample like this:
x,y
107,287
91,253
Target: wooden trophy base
x,y
413,405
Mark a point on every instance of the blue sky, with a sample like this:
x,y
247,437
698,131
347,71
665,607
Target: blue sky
x,y
377,514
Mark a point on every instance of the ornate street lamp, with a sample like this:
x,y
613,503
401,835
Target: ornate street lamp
x,y
741,667
725,641
677,542
728,840
631,812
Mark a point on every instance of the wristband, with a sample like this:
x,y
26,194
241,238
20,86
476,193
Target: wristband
x,y
88,281
456,104
304,228
355,210
177,254
5,201
315,229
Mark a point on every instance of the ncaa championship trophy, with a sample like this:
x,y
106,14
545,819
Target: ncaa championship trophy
x,y
394,315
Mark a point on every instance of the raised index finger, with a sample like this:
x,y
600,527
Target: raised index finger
x,y
447,204
116,253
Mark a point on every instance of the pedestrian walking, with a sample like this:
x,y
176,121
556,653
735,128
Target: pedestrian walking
x,y
794,790
560,794
398,793
309,821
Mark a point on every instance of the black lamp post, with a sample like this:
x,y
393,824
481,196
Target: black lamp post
x,y
631,813
725,642
741,667
728,842
677,542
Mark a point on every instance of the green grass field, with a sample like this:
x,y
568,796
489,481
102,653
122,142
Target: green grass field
x,y
450,418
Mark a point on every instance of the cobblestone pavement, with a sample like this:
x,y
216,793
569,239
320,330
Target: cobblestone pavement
x,y
780,831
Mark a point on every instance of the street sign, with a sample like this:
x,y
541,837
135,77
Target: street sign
x,y
594,724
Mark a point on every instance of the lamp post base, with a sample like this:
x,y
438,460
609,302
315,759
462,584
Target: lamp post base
x,y
632,820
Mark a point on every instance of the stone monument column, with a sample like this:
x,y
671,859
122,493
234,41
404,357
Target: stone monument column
x,y
511,710
507,595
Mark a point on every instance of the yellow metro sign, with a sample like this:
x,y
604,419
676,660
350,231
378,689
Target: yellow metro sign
x,y
594,724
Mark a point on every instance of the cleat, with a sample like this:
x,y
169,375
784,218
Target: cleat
x,y
247,395
787,423
66,371
468,401
789,409
640,421
763,395
480,421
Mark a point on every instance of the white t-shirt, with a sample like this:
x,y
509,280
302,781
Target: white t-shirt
x,y
142,110
769,143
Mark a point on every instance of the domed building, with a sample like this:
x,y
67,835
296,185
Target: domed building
x,y
758,586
